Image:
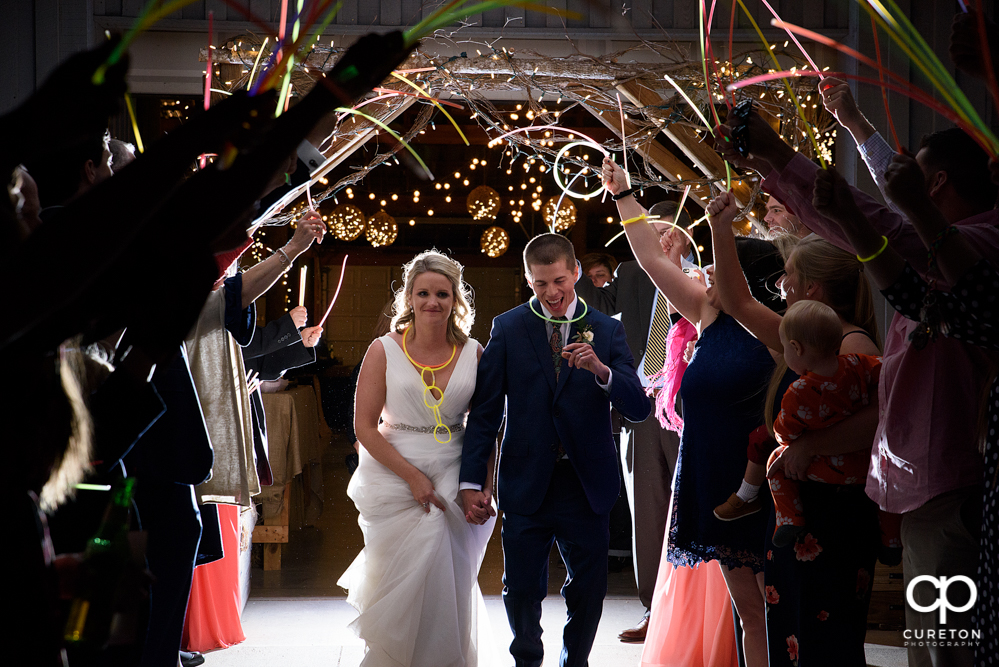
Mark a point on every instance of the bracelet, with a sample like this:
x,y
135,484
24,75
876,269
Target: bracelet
x,y
639,218
864,260
931,255
284,255
624,193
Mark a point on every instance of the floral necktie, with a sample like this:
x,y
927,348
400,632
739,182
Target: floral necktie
x,y
556,344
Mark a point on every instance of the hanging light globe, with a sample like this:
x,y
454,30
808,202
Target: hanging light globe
x,y
381,230
494,242
483,203
346,222
564,219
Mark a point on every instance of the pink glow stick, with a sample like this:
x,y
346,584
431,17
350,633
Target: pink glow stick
x,y
343,269
208,65
794,39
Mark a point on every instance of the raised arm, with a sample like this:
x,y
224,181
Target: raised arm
x,y
369,401
687,296
729,281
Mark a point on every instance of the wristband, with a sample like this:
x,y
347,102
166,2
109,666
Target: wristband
x,y
864,260
624,193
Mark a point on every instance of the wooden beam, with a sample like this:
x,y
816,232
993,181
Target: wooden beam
x,y
687,140
342,148
654,152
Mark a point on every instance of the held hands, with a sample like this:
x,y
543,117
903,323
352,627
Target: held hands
x,y
423,492
581,355
311,336
613,177
310,228
477,505
722,211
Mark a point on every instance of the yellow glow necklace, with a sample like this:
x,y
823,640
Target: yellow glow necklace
x,y
435,408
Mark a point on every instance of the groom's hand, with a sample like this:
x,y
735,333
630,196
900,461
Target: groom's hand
x,y
581,355
477,505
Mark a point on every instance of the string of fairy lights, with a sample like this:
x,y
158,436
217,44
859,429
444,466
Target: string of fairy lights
x,y
550,88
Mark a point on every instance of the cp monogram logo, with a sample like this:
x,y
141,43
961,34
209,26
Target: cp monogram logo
x,y
942,584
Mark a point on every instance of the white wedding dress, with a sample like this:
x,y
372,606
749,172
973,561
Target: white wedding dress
x,y
415,582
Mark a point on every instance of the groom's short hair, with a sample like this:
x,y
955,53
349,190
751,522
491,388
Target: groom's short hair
x,y
547,249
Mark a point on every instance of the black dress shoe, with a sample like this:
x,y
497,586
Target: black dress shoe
x,y
191,658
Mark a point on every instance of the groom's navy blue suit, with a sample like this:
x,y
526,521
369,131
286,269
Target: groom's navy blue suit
x,y
546,497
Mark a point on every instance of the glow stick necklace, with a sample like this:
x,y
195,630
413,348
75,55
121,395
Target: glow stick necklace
x,y
435,408
530,304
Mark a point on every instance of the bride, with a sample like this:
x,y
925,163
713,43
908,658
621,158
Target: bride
x,y
415,582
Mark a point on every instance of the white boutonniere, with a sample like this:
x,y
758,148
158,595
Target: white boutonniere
x,y
584,333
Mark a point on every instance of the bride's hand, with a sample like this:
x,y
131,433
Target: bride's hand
x,y
423,492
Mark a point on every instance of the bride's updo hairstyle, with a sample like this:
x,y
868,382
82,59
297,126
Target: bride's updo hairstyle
x,y
462,313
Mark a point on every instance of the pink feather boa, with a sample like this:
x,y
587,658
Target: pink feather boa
x,y
667,381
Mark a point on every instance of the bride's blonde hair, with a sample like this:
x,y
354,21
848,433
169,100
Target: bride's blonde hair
x,y
462,312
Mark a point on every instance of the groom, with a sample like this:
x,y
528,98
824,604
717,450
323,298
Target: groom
x,y
558,476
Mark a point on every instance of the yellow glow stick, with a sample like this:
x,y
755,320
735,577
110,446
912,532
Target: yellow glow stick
x,y
435,102
790,91
135,125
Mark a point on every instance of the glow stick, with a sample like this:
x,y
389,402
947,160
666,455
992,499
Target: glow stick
x,y
301,284
435,102
790,91
394,135
92,487
208,66
343,269
704,62
693,243
683,200
558,172
135,125
985,139
909,44
282,27
793,39
256,62
983,44
689,101
884,90
964,7
624,142
423,96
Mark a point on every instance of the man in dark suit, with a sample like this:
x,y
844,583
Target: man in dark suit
x,y
648,451
558,476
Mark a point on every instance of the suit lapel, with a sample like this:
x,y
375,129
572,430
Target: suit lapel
x,y
535,331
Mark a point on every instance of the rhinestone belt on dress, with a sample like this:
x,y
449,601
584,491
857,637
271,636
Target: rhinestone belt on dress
x,y
422,429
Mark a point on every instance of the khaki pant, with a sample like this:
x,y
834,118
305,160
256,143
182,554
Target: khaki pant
x,y
941,539
648,457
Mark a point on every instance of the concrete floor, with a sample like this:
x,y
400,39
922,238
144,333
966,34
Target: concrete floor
x,y
298,616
